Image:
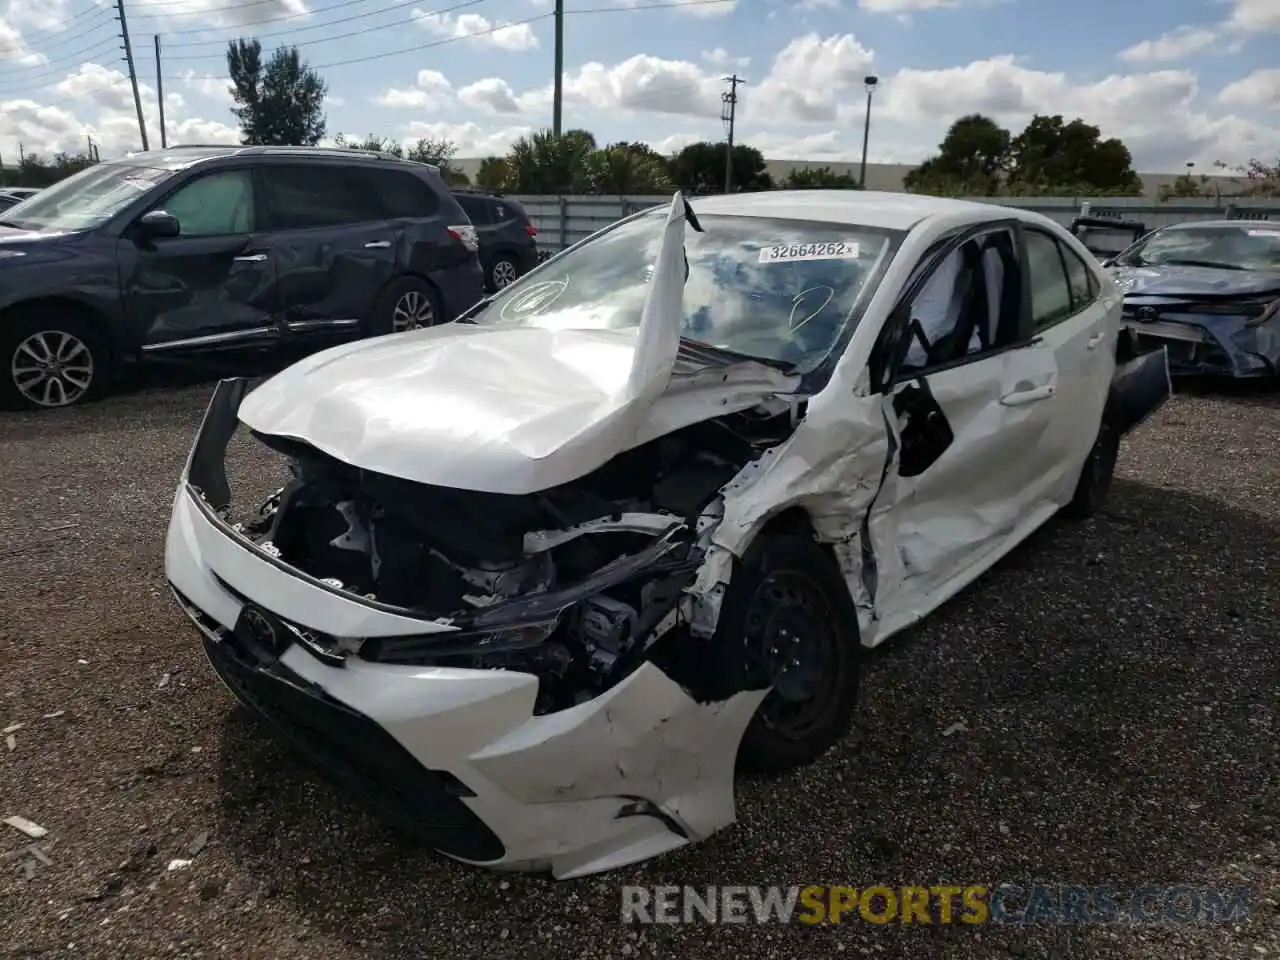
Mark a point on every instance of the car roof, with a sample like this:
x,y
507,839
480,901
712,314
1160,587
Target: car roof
x,y
868,208
1219,224
178,158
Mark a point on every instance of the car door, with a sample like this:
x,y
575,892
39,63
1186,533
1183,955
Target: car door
x,y
970,397
212,285
1069,318
333,245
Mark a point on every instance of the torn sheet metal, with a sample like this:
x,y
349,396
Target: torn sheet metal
x,y
493,408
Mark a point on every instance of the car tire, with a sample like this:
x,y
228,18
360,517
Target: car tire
x,y
407,303
788,622
1099,468
51,358
501,272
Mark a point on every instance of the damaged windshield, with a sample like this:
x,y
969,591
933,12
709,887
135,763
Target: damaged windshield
x,y
86,199
1246,246
782,291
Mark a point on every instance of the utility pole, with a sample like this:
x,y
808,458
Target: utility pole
x,y
160,93
729,114
557,112
133,74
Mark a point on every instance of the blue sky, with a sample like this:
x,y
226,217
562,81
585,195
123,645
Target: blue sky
x,y
1188,80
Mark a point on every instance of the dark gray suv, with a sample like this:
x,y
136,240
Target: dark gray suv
x,y
177,253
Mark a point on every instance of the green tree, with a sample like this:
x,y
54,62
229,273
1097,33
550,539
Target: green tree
x,y
545,163
35,171
699,168
627,168
1051,154
492,174
971,160
372,143
281,102
820,178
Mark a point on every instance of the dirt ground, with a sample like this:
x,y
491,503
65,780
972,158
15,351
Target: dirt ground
x,y
1117,682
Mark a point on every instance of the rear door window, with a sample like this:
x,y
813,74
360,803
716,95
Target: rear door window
x,y
402,193
501,212
477,210
317,195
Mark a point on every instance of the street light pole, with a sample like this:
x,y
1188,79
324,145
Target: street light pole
x,y
866,130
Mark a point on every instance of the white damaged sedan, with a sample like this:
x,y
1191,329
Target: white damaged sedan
x,y
539,580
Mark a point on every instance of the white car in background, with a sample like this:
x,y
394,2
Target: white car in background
x,y
543,577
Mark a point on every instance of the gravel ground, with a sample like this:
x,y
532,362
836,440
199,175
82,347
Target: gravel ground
x,y
1117,681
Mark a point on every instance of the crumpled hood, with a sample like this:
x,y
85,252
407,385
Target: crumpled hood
x,y
1180,281
502,409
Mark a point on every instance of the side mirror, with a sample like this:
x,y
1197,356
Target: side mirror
x,y
157,225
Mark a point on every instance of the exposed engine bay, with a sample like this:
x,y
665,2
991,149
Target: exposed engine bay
x,y
452,554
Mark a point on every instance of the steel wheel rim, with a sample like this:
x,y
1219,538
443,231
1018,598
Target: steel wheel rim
x,y
792,633
52,368
504,273
413,310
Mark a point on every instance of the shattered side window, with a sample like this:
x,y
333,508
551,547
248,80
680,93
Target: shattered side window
x,y
779,290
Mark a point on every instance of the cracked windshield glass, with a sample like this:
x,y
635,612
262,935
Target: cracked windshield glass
x,y
781,291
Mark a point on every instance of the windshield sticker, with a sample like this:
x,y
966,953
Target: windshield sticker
x,y
533,300
793,252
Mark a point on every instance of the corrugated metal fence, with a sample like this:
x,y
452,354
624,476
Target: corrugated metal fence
x,y
563,221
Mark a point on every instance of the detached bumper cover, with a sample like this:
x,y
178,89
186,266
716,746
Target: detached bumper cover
x,y
1140,387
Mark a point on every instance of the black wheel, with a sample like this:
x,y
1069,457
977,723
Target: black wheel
x,y
502,272
788,622
51,358
408,303
1099,468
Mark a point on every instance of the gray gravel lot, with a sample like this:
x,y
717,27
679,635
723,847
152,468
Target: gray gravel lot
x,y
1118,680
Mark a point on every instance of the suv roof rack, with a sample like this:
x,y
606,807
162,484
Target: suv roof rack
x,y
477,191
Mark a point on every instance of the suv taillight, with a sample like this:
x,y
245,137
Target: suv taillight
x,y
530,229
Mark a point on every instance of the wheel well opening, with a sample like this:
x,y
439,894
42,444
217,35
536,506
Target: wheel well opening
x,y
796,522
89,320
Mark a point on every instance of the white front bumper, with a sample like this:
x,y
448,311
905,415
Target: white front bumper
x,y
551,788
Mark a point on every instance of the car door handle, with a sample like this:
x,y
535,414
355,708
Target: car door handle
x,y
1020,398
1096,339
251,258
377,245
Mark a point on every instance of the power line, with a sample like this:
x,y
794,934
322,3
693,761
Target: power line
x,y
318,26
342,36
55,75
470,36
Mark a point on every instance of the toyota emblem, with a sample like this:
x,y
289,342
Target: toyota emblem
x,y
260,628
1148,314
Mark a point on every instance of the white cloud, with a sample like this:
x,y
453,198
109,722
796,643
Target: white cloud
x,y
904,6
702,9
1177,44
14,48
719,57
40,14
217,89
1255,16
1260,89
492,95
218,12
811,79
472,139
431,91
480,30
97,101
